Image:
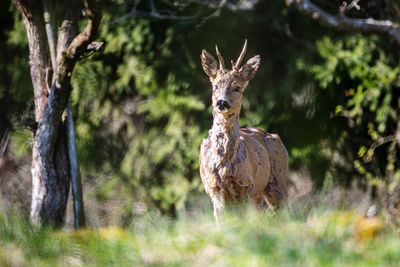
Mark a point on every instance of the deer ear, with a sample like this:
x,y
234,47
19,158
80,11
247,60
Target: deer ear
x,y
210,65
250,68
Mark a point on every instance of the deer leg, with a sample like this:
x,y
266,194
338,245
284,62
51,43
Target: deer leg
x,y
219,204
268,205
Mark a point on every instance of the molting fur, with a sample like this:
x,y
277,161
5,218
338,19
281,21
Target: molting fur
x,y
236,164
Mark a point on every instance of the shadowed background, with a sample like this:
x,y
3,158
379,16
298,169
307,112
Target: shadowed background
x,y
142,106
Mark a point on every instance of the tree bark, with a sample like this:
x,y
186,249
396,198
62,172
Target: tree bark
x,y
50,181
31,13
76,184
65,33
50,163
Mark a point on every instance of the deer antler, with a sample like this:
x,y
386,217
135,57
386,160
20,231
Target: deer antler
x,y
221,60
237,65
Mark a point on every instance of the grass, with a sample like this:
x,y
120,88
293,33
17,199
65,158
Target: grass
x,y
245,238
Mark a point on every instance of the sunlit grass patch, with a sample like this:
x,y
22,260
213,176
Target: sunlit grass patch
x,y
244,238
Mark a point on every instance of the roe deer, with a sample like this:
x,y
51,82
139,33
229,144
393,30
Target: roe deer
x,y
239,164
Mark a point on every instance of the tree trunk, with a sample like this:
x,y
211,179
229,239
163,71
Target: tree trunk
x,y
50,177
67,31
50,164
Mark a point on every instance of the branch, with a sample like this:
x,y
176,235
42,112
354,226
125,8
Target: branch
x,y
242,5
397,134
348,6
381,141
237,6
216,13
154,13
342,23
80,43
169,15
67,29
150,14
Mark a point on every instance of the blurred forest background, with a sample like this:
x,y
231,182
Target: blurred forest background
x,y
142,106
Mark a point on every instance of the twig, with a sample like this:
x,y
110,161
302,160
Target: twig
x,y
348,6
154,13
381,141
169,15
216,13
397,134
288,32
242,5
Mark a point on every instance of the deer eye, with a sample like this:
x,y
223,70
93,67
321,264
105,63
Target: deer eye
x,y
237,89
215,87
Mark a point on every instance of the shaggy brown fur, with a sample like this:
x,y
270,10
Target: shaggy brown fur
x,y
239,164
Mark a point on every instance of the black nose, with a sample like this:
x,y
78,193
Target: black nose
x,y
222,105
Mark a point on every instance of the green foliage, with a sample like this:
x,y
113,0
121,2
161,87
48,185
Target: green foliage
x,y
360,68
23,139
15,79
142,111
150,137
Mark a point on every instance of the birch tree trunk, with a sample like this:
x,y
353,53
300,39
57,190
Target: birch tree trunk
x,y
50,162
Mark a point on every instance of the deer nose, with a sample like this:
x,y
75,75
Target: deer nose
x,y
223,104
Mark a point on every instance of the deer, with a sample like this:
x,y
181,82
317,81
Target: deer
x,y
239,164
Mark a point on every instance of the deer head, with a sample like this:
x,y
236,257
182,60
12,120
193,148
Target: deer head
x,y
228,85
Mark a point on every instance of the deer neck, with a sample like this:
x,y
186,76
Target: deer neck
x,y
225,137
